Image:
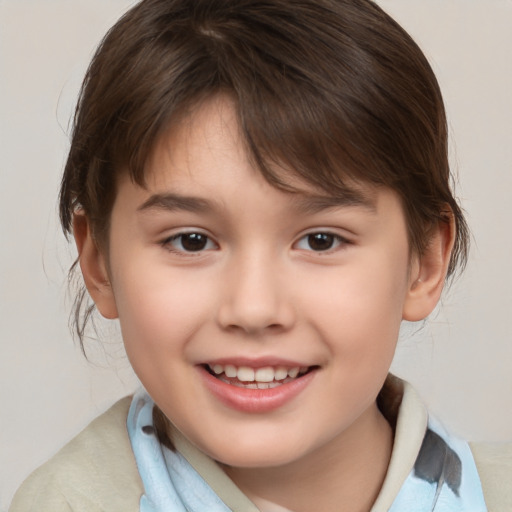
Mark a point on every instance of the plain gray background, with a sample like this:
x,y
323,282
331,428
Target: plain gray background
x,y
460,360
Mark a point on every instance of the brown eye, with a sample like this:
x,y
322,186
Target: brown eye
x,y
194,242
189,242
320,242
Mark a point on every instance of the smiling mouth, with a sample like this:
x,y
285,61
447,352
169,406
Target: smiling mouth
x,y
257,378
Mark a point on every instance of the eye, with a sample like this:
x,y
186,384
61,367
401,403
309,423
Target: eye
x,y
320,242
189,242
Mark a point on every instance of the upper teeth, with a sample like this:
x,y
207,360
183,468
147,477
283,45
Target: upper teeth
x,y
265,374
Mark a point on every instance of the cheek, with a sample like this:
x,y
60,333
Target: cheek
x,y
360,306
159,310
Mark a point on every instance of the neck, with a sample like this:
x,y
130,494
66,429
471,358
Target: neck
x,y
345,474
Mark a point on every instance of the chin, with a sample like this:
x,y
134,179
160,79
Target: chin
x,y
256,461
257,455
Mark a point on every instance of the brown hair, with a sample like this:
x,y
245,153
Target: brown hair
x,y
335,90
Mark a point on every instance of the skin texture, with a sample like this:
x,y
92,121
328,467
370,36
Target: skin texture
x,y
258,292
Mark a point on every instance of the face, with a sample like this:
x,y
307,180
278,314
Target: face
x,y
249,313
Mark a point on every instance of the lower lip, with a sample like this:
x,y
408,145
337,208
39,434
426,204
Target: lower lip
x,y
255,400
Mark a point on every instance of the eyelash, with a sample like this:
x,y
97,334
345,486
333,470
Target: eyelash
x,y
334,241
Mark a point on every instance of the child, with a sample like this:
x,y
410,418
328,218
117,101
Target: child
x,y
259,191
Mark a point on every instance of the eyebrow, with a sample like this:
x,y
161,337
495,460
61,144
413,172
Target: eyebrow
x,y
173,202
310,204
304,203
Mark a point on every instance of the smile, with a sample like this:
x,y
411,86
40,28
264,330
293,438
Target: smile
x,y
266,377
259,390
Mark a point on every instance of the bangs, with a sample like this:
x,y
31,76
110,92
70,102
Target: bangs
x,y
307,95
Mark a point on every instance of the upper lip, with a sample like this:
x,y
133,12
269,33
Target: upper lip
x,y
259,362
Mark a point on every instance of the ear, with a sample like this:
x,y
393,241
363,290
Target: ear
x,y
428,273
93,266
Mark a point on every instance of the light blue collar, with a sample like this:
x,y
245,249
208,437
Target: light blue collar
x,y
444,478
170,482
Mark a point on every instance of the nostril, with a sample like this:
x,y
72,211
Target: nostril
x,y
254,311
254,329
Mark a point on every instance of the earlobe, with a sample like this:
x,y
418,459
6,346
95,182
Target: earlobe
x,y
428,273
94,268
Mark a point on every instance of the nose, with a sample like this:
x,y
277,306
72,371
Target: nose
x,y
255,297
